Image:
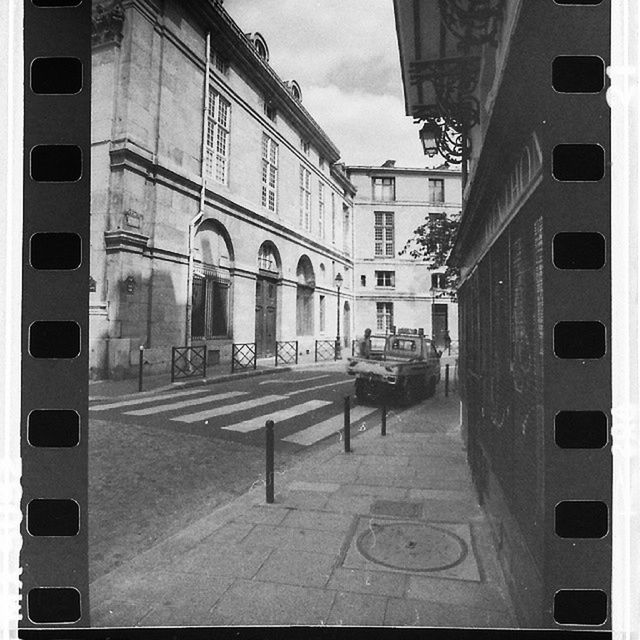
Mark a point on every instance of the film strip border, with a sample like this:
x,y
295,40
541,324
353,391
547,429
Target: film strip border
x,y
577,329
55,312
54,365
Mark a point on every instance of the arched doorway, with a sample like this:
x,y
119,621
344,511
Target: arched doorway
x,y
346,323
210,299
304,297
267,299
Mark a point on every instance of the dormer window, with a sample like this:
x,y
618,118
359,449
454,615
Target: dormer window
x,y
305,146
294,89
260,45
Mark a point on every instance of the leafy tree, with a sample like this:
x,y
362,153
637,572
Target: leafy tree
x,y
432,242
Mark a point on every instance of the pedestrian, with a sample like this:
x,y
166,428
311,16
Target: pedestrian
x,y
447,341
365,344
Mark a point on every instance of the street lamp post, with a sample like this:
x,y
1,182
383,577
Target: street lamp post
x,y
338,282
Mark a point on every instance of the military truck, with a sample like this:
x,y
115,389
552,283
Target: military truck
x,y
408,368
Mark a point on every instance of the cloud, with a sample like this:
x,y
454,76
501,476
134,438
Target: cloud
x,y
367,128
344,54
346,43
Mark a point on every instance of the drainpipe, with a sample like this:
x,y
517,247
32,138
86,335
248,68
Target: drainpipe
x,y
195,221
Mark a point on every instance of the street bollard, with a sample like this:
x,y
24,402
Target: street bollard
x,y
347,424
269,470
446,380
140,367
383,425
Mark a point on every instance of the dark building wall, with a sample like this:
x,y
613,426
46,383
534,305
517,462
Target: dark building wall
x,y
513,384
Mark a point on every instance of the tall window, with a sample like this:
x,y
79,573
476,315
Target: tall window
x,y
269,172
305,198
209,316
384,189
323,314
333,218
385,278
217,152
384,234
436,190
346,233
321,209
384,316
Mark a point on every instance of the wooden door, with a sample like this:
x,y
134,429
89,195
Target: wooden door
x,y
266,316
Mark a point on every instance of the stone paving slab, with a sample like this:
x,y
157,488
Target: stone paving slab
x,y
183,606
377,491
118,613
295,567
357,609
402,613
382,583
318,520
209,560
295,538
261,603
477,595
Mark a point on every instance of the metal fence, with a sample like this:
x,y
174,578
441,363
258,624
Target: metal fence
x,y
243,356
287,352
326,350
188,362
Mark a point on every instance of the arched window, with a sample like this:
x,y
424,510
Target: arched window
x,y
213,259
304,297
268,258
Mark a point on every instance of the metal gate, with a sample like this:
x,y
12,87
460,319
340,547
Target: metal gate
x,y
188,362
243,356
287,352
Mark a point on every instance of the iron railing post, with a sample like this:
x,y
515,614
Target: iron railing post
x,y
140,367
296,352
347,424
173,364
269,469
383,424
446,380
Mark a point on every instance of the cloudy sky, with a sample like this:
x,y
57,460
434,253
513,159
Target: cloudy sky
x,y
344,55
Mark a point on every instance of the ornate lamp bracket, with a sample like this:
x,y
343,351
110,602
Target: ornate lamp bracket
x,y
454,81
450,140
473,22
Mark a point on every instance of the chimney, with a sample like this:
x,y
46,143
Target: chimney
x,y
389,163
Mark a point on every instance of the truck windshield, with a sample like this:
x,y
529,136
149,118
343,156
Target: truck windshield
x,y
402,344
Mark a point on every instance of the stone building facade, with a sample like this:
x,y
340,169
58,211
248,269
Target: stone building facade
x,y
219,211
391,287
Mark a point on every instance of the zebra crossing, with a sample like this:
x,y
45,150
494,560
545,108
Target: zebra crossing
x,y
243,413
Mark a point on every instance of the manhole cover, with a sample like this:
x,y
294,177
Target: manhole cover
x,y
397,508
412,547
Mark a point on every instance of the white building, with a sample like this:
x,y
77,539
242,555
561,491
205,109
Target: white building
x,y
393,289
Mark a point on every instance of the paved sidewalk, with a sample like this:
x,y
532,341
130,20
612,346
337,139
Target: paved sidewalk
x,y
389,534
103,389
